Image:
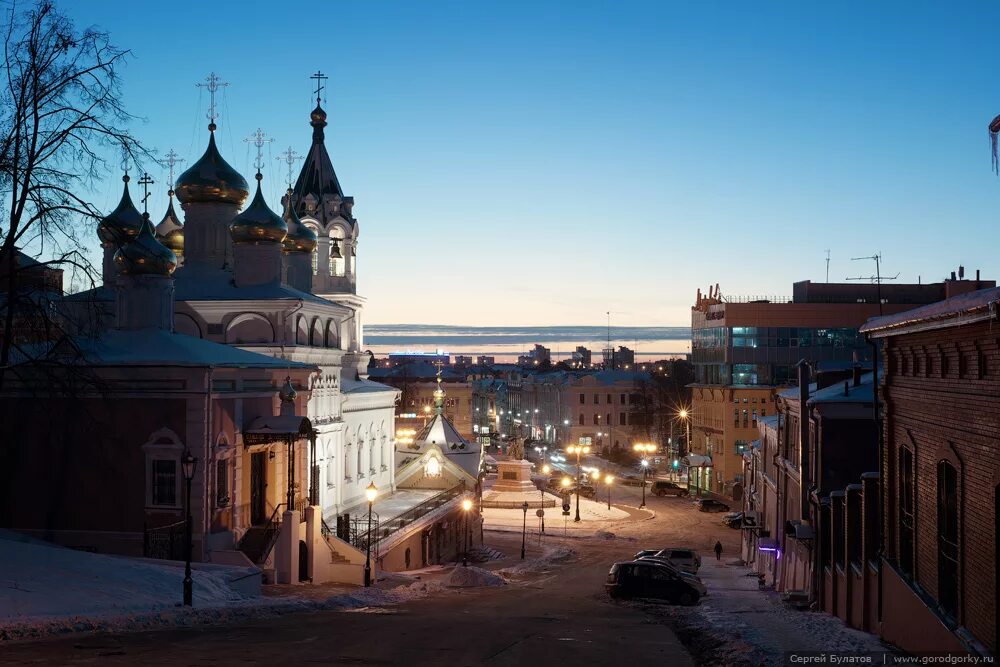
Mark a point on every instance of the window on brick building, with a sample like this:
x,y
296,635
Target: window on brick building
x,y
597,399
608,420
906,505
947,517
222,483
621,399
608,399
597,420
621,419
581,419
164,477
582,399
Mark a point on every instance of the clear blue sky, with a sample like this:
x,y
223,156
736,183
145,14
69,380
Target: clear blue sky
x,y
543,162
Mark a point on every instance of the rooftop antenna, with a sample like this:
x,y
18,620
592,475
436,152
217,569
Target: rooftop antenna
x,y
828,265
259,139
877,278
212,83
289,157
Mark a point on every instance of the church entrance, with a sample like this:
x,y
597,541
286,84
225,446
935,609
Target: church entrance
x,y
258,488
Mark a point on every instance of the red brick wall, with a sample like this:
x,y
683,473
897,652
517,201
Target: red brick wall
x,y
942,400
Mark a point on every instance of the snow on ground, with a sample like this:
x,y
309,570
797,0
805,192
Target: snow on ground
x,y
47,590
469,577
551,556
593,515
738,624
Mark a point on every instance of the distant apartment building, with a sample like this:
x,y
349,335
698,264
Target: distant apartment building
x,y
621,359
538,356
744,348
462,360
403,358
581,357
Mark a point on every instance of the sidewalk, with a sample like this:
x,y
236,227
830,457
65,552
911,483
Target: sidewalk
x,y
594,517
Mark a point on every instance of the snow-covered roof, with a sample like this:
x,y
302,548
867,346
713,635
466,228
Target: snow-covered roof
x,y
962,309
194,283
157,347
441,432
350,386
863,393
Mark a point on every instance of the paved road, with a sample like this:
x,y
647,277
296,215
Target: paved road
x,y
560,617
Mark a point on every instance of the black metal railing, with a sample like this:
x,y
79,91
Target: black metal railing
x,y
258,541
397,523
166,542
360,533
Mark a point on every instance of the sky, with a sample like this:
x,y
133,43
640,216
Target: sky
x,y
543,163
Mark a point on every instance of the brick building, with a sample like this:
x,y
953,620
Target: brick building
x,y
941,423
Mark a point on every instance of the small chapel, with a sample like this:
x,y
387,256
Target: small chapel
x,y
218,370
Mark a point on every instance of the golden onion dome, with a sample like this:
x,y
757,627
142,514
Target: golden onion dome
x,y
300,237
144,255
123,224
318,115
170,231
211,179
258,224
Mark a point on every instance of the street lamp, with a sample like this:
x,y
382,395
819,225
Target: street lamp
x,y
607,480
466,505
188,464
579,450
644,448
524,528
370,494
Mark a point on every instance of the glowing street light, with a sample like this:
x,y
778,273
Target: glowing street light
x,y
608,479
644,449
579,450
370,493
466,506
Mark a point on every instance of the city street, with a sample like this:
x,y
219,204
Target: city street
x,y
559,614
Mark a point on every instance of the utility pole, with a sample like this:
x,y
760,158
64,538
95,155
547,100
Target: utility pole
x,y
827,266
876,279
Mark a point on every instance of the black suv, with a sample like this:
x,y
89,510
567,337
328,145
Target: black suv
x,y
661,488
646,579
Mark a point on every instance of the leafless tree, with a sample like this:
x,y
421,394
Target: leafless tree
x,y
61,117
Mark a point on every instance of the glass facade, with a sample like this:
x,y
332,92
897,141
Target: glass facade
x,y
750,356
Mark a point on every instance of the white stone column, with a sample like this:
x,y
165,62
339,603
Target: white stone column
x,y
314,539
286,550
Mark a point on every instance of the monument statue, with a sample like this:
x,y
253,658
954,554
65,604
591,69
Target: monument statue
x,y
516,451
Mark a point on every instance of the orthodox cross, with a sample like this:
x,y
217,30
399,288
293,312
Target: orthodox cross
x,y
258,139
172,160
145,182
212,83
289,157
320,78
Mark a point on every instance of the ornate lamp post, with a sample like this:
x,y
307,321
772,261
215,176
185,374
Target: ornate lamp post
x,y
370,494
608,479
644,448
579,450
188,463
466,505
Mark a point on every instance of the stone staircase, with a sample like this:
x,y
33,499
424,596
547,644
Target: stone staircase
x,y
483,554
256,542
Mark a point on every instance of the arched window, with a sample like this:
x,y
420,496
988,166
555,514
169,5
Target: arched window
x,y
385,452
360,468
347,461
337,251
947,519
331,471
371,455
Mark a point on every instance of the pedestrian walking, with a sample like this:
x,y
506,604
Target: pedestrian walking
x,y
718,550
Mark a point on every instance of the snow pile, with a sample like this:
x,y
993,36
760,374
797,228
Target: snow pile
x,y
543,562
604,535
418,589
41,580
473,577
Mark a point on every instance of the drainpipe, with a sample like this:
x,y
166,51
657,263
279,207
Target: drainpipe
x,y
209,456
804,470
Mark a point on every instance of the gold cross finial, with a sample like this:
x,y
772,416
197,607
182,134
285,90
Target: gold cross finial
x,y
258,139
289,157
212,83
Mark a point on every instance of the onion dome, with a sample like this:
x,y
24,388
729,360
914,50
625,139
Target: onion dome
x,y
170,231
144,255
123,224
211,179
258,224
287,393
300,237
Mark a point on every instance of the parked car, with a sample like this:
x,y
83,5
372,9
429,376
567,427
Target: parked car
x,y
711,505
692,578
687,560
661,488
646,552
733,520
586,491
651,580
